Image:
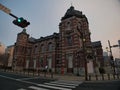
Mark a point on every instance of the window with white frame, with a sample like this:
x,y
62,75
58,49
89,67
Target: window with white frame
x,y
70,60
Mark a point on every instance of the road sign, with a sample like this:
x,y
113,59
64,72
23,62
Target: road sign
x,y
119,42
115,46
5,9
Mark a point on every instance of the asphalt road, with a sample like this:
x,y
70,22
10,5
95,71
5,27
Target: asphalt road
x,y
100,85
10,81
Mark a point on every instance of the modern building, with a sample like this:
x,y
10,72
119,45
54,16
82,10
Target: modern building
x,y
2,49
9,52
2,52
65,52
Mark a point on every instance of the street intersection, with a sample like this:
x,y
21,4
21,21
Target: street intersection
x,y
13,81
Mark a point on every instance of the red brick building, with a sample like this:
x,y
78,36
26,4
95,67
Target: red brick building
x,y
63,52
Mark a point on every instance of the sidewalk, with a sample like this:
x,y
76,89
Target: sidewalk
x,y
68,77
93,78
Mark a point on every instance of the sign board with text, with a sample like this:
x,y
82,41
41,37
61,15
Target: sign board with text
x,y
5,9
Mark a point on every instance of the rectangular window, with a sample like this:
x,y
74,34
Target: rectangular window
x,y
41,61
70,60
69,40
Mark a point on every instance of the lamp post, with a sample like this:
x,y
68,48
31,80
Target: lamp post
x,y
85,61
82,33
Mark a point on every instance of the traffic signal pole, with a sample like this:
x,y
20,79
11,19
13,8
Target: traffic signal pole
x,y
21,22
13,15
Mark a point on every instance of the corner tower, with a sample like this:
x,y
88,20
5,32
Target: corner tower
x,y
73,28
20,50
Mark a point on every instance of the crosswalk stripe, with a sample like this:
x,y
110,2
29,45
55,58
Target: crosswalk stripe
x,y
63,83
72,82
60,85
37,88
54,87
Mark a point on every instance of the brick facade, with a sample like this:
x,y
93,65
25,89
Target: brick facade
x,y
61,52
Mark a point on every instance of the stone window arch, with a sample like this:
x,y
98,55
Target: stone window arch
x,y
50,46
42,48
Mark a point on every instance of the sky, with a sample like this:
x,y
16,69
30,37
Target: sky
x,y
45,15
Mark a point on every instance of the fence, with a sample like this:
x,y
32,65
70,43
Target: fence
x,y
50,74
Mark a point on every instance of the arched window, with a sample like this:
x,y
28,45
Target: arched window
x,y
36,49
42,48
50,47
69,41
70,60
41,61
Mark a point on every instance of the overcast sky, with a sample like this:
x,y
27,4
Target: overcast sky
x,y
45,16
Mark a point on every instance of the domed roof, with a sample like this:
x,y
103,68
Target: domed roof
x,y
72,12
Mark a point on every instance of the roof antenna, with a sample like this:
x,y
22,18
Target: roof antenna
x,y
30,35
71,3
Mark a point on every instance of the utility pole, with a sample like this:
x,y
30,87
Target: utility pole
x,y
110,48
111,56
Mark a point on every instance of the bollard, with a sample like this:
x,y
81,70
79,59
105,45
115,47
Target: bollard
x,y
33,72
96,77
51,74
89,77
44,73
24,72
28,72
108,76
117,76
38,72
114,76
102,76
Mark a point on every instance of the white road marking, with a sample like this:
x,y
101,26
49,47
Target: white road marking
x,y
54,87
42,85
60,85
37,88
36,83
63,83
73,82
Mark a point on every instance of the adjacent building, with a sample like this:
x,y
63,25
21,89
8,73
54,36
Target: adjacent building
x,y
63,52
2,52
9,53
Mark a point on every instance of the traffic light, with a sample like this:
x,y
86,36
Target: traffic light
x,y
21,22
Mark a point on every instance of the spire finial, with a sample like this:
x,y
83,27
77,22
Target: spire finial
x,y
24,30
